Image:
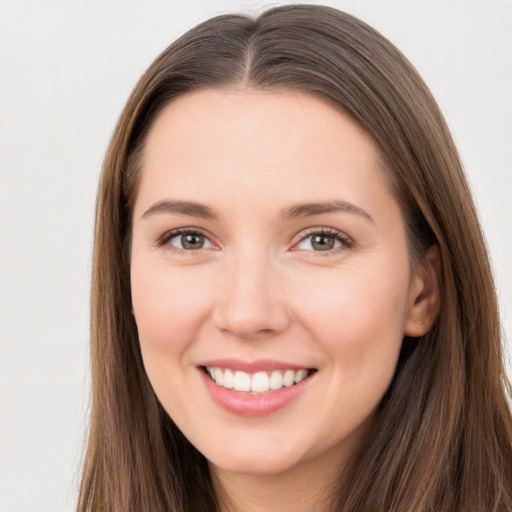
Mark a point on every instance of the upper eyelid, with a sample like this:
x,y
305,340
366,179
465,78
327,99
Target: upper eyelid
x,y
171,233
346,242
302,234
324,230
321,229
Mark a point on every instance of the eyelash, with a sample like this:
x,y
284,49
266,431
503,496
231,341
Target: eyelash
x,y
346,242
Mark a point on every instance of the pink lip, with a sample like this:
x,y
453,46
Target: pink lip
x,y
260,365
244,404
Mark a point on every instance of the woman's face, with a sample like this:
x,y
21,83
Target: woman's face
x,y
268,252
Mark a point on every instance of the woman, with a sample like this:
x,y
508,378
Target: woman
x,y
292,304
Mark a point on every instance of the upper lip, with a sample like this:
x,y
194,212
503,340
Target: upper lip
x,y
258,365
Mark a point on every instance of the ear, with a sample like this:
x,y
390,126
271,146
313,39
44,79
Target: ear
x,y
425,295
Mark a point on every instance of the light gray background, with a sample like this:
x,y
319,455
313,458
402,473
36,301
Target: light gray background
x,y
66,69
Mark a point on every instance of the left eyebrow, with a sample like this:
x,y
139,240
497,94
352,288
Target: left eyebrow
x,y
308,209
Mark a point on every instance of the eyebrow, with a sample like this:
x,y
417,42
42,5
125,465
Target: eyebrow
x,y
308,209
181,208
194,209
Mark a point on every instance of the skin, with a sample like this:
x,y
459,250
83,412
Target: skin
x,y
259,289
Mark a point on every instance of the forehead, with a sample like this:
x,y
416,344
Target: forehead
x,y
247,145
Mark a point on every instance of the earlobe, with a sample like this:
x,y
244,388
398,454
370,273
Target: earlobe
x,y
425,295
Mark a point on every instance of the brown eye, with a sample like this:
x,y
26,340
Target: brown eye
x,y
322,242
189,241
194,241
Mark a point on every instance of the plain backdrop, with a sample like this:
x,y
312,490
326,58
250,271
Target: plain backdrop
x,y
66,69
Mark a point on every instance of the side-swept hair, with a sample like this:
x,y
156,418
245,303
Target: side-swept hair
x,y
443,432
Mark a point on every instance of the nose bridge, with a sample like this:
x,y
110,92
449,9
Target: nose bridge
x,y
250,304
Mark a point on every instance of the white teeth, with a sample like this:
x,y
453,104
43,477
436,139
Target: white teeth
x,y
242,381
229,379
288,378
259,382
299,376
218,376
276,380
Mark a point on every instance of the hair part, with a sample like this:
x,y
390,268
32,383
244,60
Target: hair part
x,y
442,435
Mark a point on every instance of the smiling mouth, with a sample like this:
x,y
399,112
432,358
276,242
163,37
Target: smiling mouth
x,y
256,383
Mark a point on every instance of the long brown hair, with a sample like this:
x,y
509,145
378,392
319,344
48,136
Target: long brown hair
x,y
442,439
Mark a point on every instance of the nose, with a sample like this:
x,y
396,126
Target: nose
x,y
250,303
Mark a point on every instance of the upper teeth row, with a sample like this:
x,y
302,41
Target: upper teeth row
x,y
259,382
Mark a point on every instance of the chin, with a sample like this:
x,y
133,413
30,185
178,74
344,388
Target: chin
x,y
259,463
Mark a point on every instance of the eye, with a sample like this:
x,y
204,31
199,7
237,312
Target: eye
x,y
186,240
324,241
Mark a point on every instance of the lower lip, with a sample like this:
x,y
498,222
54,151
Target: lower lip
x,y
244,404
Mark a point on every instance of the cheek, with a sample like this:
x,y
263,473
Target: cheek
x,y
168,307
357,317
358,324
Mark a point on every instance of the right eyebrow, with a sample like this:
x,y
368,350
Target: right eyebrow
x,y
181,208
